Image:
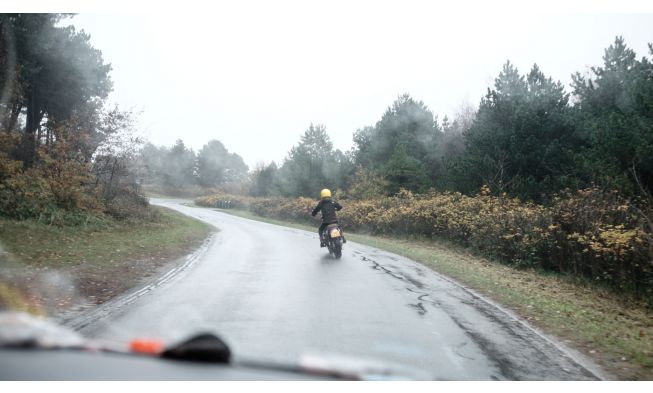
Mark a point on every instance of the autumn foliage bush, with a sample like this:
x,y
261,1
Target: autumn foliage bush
x,y
54,190
590,233
59,189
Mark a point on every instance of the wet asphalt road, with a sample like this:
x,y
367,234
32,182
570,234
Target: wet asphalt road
x,y
273,294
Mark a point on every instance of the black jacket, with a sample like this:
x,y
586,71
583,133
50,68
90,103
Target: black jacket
x,y
329,209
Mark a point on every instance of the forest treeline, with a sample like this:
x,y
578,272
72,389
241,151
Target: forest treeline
x,y
179,171
528,138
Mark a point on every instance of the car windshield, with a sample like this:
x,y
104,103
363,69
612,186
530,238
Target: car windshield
x,y
436,192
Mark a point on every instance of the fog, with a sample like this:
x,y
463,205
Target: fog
x,y
255,75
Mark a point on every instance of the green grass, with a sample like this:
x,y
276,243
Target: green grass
x,y
101,260
615,332
41,245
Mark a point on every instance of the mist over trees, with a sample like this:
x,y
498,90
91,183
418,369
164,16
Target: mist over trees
x,y
264,180
216,166
401,147
52,75
178,170
311,165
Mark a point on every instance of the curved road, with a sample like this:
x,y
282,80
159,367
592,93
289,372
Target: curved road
x,y
273,294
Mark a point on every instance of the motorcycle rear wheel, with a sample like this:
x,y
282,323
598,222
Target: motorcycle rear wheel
x,y
337,250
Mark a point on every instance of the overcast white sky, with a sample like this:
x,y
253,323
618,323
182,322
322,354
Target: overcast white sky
x,y
254,75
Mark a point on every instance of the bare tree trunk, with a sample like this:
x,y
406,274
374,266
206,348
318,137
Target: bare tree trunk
x,y
34,116
32,113
9,68
110,184
642,189
13,117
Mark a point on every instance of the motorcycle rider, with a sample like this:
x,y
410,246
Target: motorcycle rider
x,y
328,207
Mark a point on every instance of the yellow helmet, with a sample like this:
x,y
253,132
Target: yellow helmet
x,y
326,193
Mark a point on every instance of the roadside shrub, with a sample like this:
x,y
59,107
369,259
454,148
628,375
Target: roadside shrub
x,y
599,234
55,190
129,205
220,199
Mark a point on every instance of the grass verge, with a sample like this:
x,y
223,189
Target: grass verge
x,y
48,269
612,331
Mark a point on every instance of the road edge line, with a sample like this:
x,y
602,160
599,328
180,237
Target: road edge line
x,y
108,308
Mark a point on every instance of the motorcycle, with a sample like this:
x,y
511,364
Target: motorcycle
x,y
332,237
